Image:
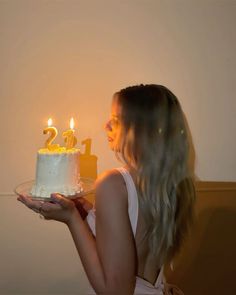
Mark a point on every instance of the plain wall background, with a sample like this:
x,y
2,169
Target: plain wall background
x,y
67,58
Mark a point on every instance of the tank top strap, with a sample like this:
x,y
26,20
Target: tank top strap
x,y
132,198
160,278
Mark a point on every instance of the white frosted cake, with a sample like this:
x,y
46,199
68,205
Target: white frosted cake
x,y
57,172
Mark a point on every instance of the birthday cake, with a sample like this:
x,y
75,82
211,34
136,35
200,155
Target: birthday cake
x,y
57,171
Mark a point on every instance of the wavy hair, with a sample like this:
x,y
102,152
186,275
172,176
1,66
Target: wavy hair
x,y
154,142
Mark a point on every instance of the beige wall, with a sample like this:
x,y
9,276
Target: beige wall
x,y
66,58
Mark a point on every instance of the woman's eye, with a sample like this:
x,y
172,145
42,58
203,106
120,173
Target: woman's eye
x,y
113,121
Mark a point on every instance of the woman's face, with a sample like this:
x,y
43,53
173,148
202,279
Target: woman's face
x,y
113,126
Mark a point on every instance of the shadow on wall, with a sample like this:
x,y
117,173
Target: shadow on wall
x,y
88,164
207,263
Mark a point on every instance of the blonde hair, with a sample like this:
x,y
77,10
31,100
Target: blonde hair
x,y
154,141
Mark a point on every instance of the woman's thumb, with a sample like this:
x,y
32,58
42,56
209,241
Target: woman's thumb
x,y
59,199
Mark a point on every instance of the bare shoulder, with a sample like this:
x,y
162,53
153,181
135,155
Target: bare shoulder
x,y
110,186
112,176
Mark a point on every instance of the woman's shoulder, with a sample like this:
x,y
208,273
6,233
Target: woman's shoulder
x,y
110,184
112,176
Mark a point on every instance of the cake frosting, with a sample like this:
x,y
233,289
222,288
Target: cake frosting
x,y
57,172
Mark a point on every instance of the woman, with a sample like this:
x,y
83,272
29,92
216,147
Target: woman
x,y
143,210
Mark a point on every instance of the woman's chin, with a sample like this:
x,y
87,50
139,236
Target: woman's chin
x,y
112,146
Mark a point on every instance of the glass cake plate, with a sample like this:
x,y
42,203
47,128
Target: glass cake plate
x,y
87,185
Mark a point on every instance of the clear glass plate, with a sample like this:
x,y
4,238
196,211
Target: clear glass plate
x,y
26,187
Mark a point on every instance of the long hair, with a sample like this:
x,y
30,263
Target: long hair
x,y
154,142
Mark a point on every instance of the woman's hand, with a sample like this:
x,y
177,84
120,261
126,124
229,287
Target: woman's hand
x,y
57,208
83,206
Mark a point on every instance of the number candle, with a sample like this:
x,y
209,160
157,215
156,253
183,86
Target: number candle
x,y
70,138
53,133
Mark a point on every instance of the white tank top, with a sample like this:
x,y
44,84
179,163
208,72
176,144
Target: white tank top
x,y
142,287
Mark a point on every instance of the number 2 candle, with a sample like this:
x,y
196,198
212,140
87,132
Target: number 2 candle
x,y
53,134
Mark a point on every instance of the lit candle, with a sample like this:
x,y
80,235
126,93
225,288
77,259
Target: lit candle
x,y
53,133
70,138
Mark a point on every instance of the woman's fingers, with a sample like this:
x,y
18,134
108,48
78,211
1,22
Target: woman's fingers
x,y
57,207
32,204
85,203
48,210
59,199
38,206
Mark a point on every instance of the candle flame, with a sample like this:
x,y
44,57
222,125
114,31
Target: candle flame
x,y
72,123
49,122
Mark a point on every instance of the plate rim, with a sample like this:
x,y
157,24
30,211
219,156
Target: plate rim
x,y
90,181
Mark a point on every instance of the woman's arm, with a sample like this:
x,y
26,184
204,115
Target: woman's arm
x,y
109,261
83,206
